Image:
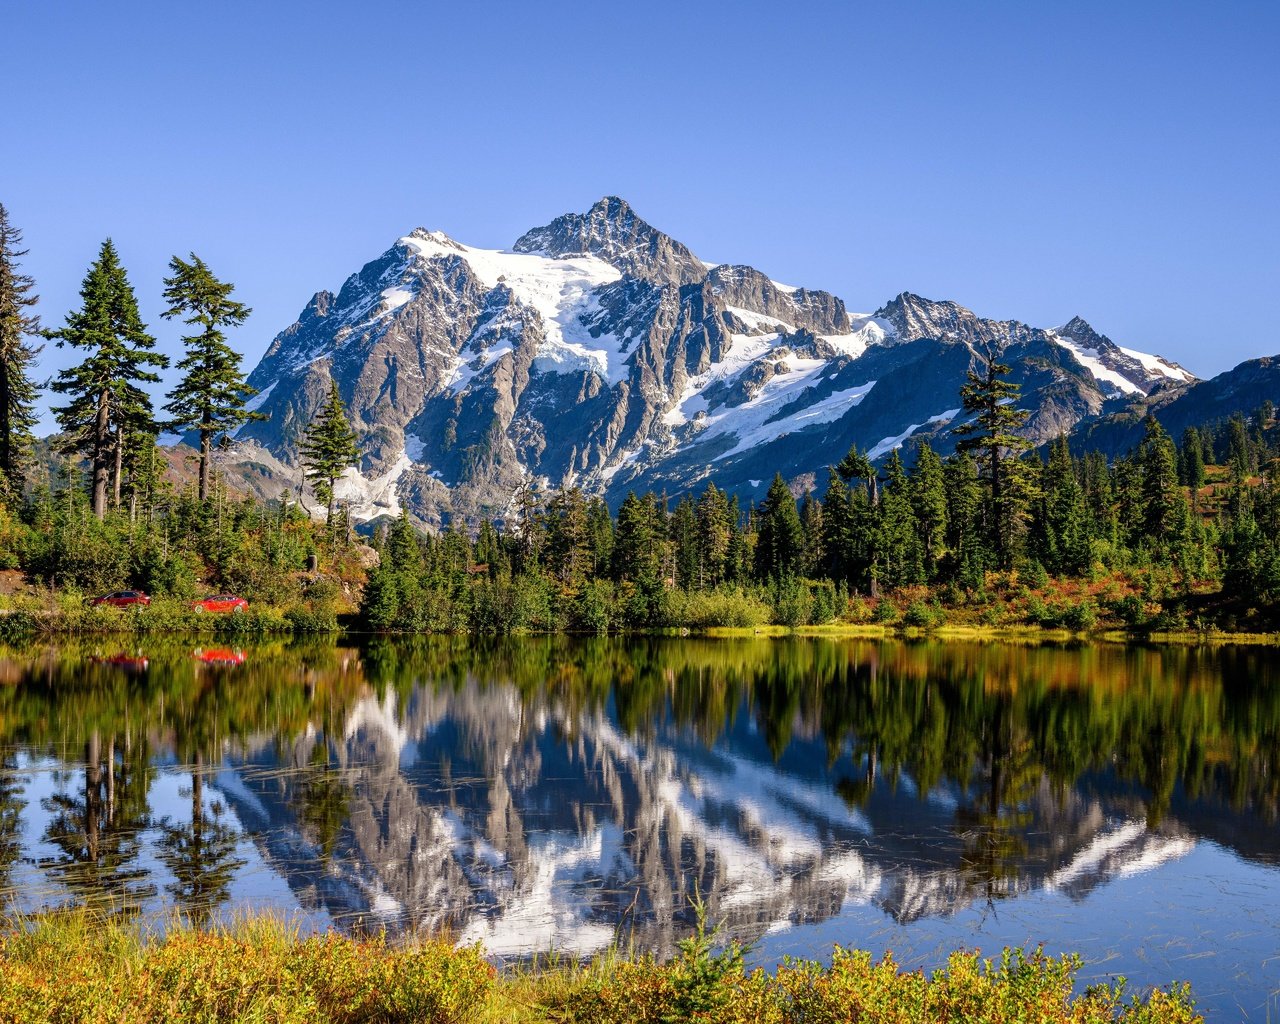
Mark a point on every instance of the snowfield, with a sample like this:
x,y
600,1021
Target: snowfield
x,y
561,290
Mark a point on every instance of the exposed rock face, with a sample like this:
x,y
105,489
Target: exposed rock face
x,y
612,231
602,353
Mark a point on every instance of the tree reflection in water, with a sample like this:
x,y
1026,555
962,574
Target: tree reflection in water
x,y
583,783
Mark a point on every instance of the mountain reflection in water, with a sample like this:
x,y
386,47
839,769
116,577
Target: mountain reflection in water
x,y
545,792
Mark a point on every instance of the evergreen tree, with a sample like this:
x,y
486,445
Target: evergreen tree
x,y
637,541
898,535
1162,500
856,466
715,527
569,555
811,524
964,518
684,537
17,390
994,400
1239,451
106,402
929,503
780,536
1191,460
210,398
1064,518
329,449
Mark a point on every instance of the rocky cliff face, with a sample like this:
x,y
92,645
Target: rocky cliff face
x,y
600,352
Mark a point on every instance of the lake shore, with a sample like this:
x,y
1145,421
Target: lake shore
x,y
171,618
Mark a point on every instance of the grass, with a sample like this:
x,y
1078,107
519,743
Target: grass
x,y
74,966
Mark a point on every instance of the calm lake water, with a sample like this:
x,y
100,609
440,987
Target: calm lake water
x,y
1117,801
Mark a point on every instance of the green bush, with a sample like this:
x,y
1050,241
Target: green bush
x,y
884,611
923,616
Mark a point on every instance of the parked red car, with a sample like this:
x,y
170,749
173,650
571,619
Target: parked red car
x,y
221,603
121,599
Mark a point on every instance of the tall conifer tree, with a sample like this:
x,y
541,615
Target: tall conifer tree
x,y
210,398
329,449
17,391
106,402
780,535
993,439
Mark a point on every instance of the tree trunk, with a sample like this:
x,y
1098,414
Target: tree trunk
x,y
119,468
6,430
206,447
101,438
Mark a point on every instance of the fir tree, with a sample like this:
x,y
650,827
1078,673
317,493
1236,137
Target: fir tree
x,y
210,398
994,400
929,503
1191,460
1162,501
780,536
17,390
106,402
715,527
898,537
329,449
1064,518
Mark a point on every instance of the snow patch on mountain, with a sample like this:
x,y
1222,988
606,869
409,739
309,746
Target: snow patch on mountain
x,y
888,444
370,497
1089,359
256,401
1157,365
562,291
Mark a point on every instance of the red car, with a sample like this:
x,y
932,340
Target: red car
x,y
121,599
221,603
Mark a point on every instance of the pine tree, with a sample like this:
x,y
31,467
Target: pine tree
x,y
106,401
780,536
1191,460
17,390
715,526
994,400
898,536
211,396
1064,517
1162,500
329,449
929,503
964,520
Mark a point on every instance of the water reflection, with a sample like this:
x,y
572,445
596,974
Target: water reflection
x,y
544,792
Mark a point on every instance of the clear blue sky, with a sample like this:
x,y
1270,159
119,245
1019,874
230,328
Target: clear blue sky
x,y
1027,160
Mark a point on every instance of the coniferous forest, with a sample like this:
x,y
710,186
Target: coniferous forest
x,y
1178,535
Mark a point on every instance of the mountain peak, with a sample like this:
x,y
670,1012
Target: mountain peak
x,y
614,232
1080,328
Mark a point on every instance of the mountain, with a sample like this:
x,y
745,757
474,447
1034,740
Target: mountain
x,y
1242,389
601,352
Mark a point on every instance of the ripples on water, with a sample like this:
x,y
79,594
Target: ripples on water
x,y
1120,802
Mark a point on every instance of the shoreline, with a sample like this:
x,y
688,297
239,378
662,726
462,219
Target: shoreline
x,y
21,625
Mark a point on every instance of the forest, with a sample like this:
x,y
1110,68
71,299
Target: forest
x,y
1178,535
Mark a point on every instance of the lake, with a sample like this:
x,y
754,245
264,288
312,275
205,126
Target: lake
x,y
533,794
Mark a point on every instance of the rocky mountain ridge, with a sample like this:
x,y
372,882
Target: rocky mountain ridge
x,y
600,352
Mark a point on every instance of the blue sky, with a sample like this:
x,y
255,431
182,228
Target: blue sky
x,y
1028,160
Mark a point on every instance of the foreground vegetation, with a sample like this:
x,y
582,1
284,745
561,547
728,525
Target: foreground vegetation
x,y
78,968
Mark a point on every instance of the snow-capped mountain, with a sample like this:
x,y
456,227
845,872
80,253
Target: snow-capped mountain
x,y
600,352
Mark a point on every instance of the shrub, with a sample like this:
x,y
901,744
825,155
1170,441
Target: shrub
x,y
884,611
923,616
